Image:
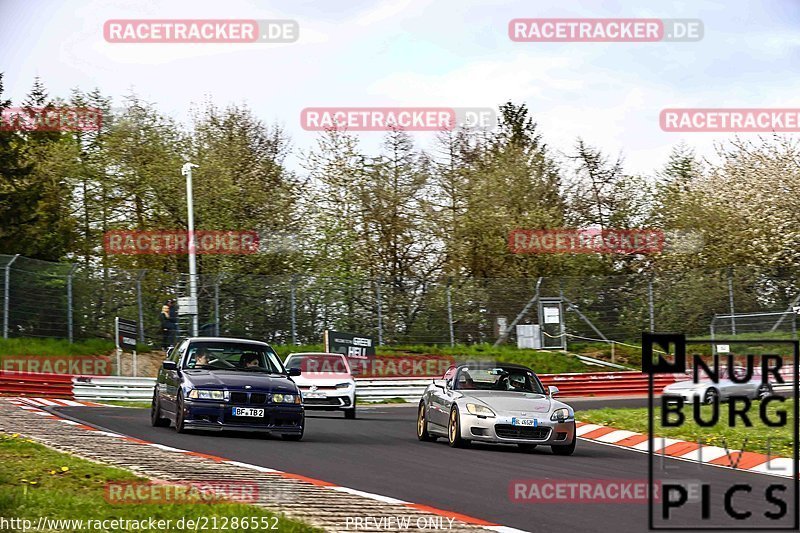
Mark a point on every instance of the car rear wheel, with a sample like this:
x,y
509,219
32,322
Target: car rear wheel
x,y
711,396
156,420
422,425
764,391
454,430
180,423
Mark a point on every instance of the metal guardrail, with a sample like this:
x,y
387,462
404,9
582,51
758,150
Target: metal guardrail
x,y
112,388
128,388
377,389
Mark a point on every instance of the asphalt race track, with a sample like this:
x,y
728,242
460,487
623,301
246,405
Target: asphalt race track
x,y
379,453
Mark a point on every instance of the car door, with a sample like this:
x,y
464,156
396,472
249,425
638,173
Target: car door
x,y
441,400
172,379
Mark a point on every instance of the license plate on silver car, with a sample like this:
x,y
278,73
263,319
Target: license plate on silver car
x,y
531,422
248,411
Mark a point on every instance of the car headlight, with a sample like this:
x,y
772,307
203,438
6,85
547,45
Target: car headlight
x,y
342,385
286,398
480,410
200,394
560,414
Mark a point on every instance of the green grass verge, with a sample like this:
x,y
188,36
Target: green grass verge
x,y
26,346
36,481
124,403
760,438
379,402
543,362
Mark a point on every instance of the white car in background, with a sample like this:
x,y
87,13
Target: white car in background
x,y
326,382
708,392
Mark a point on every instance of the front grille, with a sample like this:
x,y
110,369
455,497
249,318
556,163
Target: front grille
x,y
507,431
239,397
258,398
248,398
324,401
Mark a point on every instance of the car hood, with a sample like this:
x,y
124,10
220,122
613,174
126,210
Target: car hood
x,y
512,402
322,379
235,380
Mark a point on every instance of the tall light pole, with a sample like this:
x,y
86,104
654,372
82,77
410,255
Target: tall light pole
x,y
186,170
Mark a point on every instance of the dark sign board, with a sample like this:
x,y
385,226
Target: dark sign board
x,y
349,344
126,334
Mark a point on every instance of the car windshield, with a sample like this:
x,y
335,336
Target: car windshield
x,y
237,356
318,363
498,379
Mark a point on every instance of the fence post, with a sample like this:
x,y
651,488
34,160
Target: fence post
x,y
216,303
139,304
293,304
730,297
650,305
450,313
380,315
69,302
6,295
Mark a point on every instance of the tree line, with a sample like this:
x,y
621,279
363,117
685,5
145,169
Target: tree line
x,y
407,215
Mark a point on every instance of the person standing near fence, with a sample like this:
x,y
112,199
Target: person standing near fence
x,y
169,324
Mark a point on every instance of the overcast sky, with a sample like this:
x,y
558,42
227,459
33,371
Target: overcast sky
x,y
423,53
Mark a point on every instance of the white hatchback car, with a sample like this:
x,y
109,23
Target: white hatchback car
x,y
326,382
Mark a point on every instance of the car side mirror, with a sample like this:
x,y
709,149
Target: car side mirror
x,y
294,372
169,365
553,390
169,351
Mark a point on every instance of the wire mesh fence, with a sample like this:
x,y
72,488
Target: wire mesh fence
x,y
78,301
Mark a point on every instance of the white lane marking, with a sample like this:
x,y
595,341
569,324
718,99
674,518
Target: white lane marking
x,y
505,529
47,402
33,401
167,448
70,422
30,408
255,467
587,428
384,499
780,466
616,436
659,443
70,403
706,453
109,434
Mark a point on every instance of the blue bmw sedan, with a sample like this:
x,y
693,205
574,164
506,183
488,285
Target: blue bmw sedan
x,y
217,383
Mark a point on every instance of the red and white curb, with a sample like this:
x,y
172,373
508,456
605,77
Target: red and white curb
x,y
24,403
688,451
52,402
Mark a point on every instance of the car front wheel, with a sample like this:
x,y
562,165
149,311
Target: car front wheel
x,y
180,423
454,430
156,420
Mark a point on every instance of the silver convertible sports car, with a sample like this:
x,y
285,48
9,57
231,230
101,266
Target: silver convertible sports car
x,y
506,404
